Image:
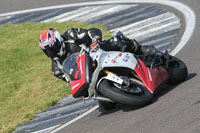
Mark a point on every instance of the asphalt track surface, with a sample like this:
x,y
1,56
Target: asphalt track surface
x,y
176,110
16,5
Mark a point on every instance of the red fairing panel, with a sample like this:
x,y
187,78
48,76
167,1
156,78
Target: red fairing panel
x,y
75,85
151,78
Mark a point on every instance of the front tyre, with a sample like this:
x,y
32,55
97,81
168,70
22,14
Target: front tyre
x,y
107,105
110,90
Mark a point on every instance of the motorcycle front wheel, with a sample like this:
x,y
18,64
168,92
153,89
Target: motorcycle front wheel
x,y
107,105
138,95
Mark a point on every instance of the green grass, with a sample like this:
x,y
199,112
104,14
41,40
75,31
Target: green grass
x,y
27,85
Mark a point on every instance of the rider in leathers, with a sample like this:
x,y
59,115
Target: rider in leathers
x,y
59,47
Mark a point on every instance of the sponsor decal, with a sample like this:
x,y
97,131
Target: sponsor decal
x,y
149,74
113,61
119,55
126,58
81,67
75,86
71,70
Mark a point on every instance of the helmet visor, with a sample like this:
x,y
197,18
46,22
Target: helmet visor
x,y
61,50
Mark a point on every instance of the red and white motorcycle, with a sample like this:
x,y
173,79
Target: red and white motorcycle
x,y
121,77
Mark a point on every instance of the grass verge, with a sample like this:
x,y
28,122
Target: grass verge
x,y
27,85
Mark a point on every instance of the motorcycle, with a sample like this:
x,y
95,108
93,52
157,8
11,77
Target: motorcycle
x,y
120,77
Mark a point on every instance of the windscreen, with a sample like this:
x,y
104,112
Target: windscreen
x,y
70,66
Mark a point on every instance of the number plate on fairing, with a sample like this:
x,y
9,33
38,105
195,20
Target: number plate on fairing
x,y
118,59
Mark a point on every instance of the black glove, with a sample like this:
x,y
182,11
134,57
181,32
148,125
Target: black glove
x,y
148,50
131,45
95,34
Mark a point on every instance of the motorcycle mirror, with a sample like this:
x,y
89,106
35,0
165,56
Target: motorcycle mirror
x,y
119,33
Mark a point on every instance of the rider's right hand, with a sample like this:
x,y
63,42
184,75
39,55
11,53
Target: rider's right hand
x,y
94,46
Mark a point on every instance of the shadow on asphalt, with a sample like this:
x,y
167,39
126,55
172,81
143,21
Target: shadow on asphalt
x,y
118,107
162,91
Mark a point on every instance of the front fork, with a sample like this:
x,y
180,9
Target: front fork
x,y
109,76
112,77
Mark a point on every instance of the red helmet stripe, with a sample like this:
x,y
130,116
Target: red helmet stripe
x,y
44,35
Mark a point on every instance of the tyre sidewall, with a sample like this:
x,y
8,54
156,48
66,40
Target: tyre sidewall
x,y
179,74
120,96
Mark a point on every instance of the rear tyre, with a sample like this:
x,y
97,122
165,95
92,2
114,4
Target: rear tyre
x,y
177,71
108,89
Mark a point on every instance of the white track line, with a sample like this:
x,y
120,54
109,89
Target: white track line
x,y
77,118
154,25
176,24
69,18
106,11
46,130
160,17
187,12
65,15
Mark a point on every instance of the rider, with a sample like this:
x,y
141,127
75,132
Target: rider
x,y
58,47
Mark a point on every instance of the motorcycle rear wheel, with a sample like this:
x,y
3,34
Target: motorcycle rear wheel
x,y
177,71
109,90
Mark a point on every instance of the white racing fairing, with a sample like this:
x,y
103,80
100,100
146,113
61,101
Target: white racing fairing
x,y
115,59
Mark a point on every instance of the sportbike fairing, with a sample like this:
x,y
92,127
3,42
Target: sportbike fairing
x,y
118,59
152,78
79,70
